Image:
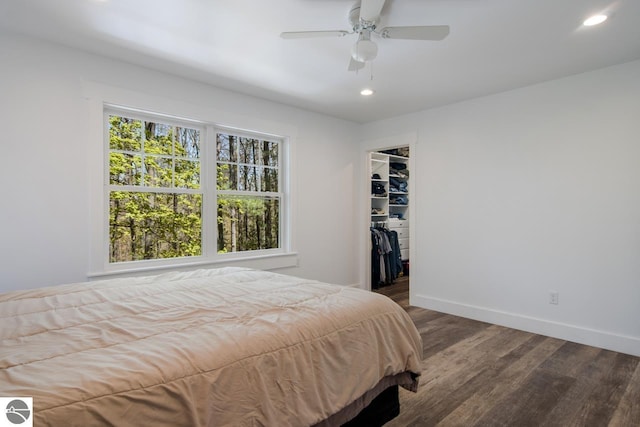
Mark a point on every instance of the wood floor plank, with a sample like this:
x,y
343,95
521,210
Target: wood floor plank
x,y
571,359
445,375
437,369
423,317
442,365
483,355
459,391
447,330
530,403
601,405
504,383
569,410
478,374
628,410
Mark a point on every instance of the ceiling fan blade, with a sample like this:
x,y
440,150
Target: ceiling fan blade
x,y
310,34
430,32
370,10
355,65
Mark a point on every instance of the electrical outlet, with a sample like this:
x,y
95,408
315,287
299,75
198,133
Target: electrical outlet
x,y
553,297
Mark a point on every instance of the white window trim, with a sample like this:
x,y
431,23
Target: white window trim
x,y
100,98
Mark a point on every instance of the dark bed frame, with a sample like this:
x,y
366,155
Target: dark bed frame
x,y
381,410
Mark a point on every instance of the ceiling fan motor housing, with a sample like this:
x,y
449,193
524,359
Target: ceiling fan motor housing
x,y
364,49
358,25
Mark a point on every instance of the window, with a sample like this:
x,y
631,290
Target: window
x,y
171,195
247,183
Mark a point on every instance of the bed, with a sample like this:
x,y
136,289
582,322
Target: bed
x,y
215,347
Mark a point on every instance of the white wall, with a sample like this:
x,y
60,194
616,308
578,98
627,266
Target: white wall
x,y
515,194
44,144
531,191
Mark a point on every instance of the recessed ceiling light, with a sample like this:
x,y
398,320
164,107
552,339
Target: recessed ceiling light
x,y
366,92
595,20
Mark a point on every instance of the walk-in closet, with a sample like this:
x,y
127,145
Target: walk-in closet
x,y
389,230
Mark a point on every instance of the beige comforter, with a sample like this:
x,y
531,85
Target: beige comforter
x,y
218,347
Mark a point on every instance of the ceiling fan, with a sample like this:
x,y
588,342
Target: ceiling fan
x,y
363,18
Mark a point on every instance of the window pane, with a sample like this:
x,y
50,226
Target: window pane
x,y
227,176
187,143
269,153
187,174
158,138
248,179
247,223
269,179
125,169
125,134
158,171
226,147
248,150
152,226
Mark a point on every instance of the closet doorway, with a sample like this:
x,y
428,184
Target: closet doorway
x,y
389,242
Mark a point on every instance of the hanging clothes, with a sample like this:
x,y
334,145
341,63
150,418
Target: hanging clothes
x,y
386,263
395,258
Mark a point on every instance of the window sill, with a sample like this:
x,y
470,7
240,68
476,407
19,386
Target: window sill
x,y
259,262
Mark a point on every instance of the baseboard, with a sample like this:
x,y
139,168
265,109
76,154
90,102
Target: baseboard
x,y
602,339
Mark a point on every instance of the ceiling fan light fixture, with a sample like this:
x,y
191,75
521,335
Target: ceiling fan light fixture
x,y
364,50
367,92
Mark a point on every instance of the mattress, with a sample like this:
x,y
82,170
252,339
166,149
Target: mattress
x,y
216,347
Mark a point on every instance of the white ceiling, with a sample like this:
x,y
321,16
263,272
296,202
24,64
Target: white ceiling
x,y
494,45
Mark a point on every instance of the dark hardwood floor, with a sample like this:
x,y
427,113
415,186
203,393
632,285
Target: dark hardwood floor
x,y
479,374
